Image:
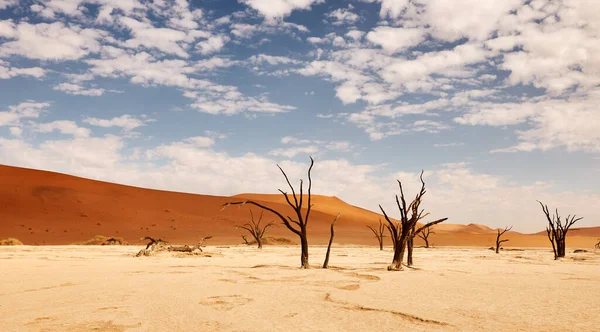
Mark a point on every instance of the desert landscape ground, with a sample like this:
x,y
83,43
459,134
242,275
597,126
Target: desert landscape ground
x,y
50,284
239,288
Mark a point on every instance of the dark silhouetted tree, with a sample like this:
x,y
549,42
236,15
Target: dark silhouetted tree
x,y
424,234
498,241
297,225
405,231
557,230
255,229
378,233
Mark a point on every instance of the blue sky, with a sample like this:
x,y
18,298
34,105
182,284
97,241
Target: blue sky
x,y
496,100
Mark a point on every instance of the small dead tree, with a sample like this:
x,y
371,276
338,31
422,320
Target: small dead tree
x,y
403,234
297,226
326,262
378,233
186,248
245,239
498,241
255,229
424,234
391,234
597,246
557,231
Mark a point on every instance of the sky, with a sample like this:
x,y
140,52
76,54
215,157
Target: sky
x,y
497,101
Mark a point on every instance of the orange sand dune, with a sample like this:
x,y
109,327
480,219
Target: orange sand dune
x,y
40,207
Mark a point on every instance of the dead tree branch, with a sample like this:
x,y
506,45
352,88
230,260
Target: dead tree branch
x,y
379,233
326,262
297,226
498,241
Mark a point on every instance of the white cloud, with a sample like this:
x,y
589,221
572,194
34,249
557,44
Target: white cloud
x,y
28,109
343,16
10,72
270,59
393,40
214,63
212,44
278,9
144,34
54,41
126,121
293,151
64,127
8,3
74,89
572,123
16,131
473,19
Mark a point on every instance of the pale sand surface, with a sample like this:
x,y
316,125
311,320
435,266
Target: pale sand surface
x,y
239,288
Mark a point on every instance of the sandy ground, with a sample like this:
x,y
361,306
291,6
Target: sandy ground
x,y
238,288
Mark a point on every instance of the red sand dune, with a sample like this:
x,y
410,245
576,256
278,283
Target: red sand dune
x,y
40,207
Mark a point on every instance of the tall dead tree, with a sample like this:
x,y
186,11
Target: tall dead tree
x,y
255,229
326,262
424,234
557,231
405,231
378,233
298,225
500,233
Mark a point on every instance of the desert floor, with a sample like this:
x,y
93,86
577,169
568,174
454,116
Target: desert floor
x,y
239,288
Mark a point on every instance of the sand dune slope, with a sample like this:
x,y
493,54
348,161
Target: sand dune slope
x,y
40,207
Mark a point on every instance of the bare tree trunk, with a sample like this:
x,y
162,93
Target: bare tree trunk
x,y
409,257
304,255
398,258
326,262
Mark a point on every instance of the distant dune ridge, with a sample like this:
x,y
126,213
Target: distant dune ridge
x,y
40,207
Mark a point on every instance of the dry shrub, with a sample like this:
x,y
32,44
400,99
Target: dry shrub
x,y
274,241
101,240
10,242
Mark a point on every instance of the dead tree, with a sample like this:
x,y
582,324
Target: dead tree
x,y
255,229
298,225
597,246
378,233
186,248
245,239
326,262
498,241
154,242
557,231
424,234
391,234
405,231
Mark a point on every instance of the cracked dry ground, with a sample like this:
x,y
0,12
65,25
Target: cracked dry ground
x,y
240,288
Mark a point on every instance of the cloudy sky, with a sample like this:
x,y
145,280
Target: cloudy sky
x,y
498,101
